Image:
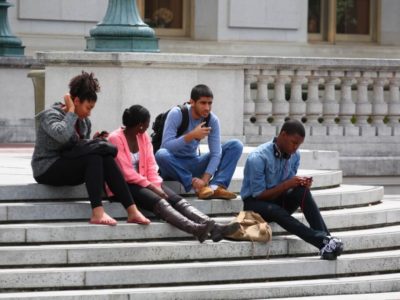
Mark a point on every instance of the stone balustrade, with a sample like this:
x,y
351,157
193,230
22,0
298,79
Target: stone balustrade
x,y
337,100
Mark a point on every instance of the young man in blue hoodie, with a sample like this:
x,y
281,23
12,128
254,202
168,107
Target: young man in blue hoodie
x,y
209,174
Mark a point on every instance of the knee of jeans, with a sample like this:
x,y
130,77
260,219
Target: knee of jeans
x,y
162,156
235,145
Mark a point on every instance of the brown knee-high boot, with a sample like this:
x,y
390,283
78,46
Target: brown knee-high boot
x,y
217,232
200,230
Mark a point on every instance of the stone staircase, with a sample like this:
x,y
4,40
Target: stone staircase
x,y
49,251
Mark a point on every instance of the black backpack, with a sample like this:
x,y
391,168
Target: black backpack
x,y
159,122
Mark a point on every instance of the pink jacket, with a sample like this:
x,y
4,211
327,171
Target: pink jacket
x,y
148,169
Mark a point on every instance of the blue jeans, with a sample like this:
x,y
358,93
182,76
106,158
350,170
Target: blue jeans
x,y
279,210
184,169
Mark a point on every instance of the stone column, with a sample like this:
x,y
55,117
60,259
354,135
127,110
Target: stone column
x,y
347,107
330,106
10,45
263,103
280,107
314,106
394,104
122,30
363,106
297,107
379,106
249,106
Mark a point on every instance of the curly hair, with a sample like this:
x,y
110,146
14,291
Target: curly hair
x,y
84,86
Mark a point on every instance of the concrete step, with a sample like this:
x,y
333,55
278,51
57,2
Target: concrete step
x,y
13,189
163,251
391,184
342,196
342,288
382,214
310,159
198,272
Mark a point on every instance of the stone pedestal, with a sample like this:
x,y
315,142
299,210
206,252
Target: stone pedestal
x,y
122,30
10,45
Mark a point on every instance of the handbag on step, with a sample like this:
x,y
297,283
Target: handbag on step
x,y
252,228
95,146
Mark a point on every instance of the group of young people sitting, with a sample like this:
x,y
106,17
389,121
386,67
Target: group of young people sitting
x,y
134,175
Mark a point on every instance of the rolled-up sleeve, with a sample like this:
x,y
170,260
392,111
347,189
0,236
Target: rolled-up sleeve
x,y
214,144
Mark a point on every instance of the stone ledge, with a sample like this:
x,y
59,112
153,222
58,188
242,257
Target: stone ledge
x,y
220,61
196,272
384,214
347,288
162,251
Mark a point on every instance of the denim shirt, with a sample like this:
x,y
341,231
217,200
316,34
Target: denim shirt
x,y
263,170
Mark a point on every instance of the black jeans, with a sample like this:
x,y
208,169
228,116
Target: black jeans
x,y
279,210
92,169
146,198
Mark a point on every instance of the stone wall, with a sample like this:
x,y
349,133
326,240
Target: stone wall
x,y
16,100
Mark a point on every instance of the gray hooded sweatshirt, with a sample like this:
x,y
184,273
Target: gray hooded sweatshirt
x,y
56,131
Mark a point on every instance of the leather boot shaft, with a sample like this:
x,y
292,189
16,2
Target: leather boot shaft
x,y
168,213
218,232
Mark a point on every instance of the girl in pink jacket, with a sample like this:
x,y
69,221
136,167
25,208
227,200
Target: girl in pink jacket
x,y
137,163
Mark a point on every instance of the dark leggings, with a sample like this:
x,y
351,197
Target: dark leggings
x,y
92,169
280,210
146,198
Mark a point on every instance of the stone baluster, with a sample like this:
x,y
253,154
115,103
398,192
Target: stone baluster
x,y
314,105
330,106
249,106
263,103
280,107
379,106
394,104
363,106
297,107
347,107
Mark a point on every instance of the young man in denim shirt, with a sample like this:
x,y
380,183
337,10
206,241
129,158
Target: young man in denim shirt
x,y
272,189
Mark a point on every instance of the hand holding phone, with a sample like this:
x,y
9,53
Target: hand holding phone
x,y
102,135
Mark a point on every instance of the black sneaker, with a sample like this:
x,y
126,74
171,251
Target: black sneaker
x,y
332,249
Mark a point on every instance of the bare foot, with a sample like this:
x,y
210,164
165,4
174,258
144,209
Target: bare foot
x,y
135,216
100,217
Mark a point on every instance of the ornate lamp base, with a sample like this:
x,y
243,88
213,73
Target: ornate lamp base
x,y
122,44
10,45
122,30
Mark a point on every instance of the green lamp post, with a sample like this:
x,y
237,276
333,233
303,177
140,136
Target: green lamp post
x,y
122,30
10,45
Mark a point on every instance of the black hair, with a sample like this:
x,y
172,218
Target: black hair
x,y
200,90
84,86
292,126
135,115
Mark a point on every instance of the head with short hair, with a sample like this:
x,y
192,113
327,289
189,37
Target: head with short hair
x,y
291,136
292,126
200,90
136,116
84,86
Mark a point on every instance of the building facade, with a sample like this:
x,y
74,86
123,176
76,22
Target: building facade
x,y
221,26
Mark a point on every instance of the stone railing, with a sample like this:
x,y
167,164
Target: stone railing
x,y
348,105
334,97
